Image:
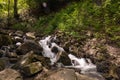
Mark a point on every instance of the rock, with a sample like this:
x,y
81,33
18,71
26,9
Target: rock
x,y
17,39
103,67
64,59
118,72
85,77
25,60
29,58
5,61
29,46
2,64
10,74
13,60
32,68
44,60
18,44
30,35
5,40
114,52
61,74
19,33
108,70
1,53
3,31
11,55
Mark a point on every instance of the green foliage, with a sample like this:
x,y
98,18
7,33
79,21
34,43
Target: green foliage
x,y
20,26
4,7
76,17
84,15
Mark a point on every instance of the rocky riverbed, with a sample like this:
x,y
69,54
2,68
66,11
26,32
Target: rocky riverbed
x,y
23,56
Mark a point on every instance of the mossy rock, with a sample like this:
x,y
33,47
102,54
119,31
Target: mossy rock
x,y
5,40
32,68
2,64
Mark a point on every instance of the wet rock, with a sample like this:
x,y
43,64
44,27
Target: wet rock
x,y
64,59
62,74
5,40
103,67
32,68
17,39
28,46
19,33
10,74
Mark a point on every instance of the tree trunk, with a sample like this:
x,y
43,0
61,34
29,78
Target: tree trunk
x,y
8,22
16,16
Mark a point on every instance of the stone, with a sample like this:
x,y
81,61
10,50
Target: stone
x,y
2,64
60,74
30,35
19,33
13,60
24,60
85,77
114,52
29,46
118,72
1,53
32,68
17,39
11,55
5,40
10,74
44,60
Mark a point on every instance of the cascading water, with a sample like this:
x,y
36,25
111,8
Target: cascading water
x,y
48,44
85,66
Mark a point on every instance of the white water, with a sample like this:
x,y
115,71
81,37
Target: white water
x,y
47,50
85,65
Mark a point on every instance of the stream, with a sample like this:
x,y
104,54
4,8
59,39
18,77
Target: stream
x,y
32,57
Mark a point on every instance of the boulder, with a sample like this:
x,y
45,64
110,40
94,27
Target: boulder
x,y
24,60
10,74
29,45
32,68
44,60
29,58
61,74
